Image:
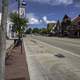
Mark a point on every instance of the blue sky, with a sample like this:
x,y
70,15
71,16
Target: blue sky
x,y
41,12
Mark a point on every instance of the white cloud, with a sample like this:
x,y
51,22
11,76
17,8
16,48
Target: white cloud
x,y
35,20
48,21
66,1
55,2
32,19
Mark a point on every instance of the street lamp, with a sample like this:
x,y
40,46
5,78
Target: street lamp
x,y
21,14
19,27
22,9
18,17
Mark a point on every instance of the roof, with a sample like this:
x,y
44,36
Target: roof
x,y
77,19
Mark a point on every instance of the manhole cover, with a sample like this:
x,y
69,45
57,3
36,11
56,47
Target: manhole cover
x,y
41,46
60,55
33,41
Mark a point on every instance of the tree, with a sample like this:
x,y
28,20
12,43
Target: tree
x,y
19,23
29,31
36,30
43,31
66,22
3,38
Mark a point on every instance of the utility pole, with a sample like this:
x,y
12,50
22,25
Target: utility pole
x,y
3,38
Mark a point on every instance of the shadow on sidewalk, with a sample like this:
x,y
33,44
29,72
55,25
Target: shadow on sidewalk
x,y
16,67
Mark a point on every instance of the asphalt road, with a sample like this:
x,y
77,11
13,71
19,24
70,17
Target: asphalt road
x,y
72,45
43,64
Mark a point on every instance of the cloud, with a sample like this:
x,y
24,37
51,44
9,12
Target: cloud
x,y
58,2
54,2
48,21
33,19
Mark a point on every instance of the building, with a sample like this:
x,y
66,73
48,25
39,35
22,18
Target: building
x,y
66,22
22,13
58,29
8,28
9,33
50,26
67,28
75,29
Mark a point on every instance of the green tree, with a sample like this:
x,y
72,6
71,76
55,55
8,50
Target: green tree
x,y
19,23
36,30
29,31
3,38
43,31
66,22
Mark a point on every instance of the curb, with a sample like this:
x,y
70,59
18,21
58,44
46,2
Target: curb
x,y
27,58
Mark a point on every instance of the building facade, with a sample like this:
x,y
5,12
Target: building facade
x,y
22,13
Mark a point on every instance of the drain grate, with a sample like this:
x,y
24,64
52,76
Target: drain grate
x,y
60,55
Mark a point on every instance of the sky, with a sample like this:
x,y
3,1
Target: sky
x,y
41,12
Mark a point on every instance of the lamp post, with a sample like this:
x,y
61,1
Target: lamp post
x,y
21,14
19,27
19,1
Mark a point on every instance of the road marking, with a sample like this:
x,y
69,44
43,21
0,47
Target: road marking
x,y
72,44
74,54
64,39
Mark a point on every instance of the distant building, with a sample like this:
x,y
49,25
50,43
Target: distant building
x,y
68,27
61,28
50,27
75,29
66,22
58,29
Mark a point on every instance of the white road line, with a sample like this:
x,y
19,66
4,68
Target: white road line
x,y
72,44
74,54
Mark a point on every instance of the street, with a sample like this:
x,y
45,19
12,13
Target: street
x,y
52,58
72,45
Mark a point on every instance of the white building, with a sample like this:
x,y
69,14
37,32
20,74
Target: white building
x,y
10,34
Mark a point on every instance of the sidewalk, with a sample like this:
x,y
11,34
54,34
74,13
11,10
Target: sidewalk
x,y
8,43
16,65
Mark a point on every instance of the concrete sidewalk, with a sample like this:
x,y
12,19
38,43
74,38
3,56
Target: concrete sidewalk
x,y
43,64
9,43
